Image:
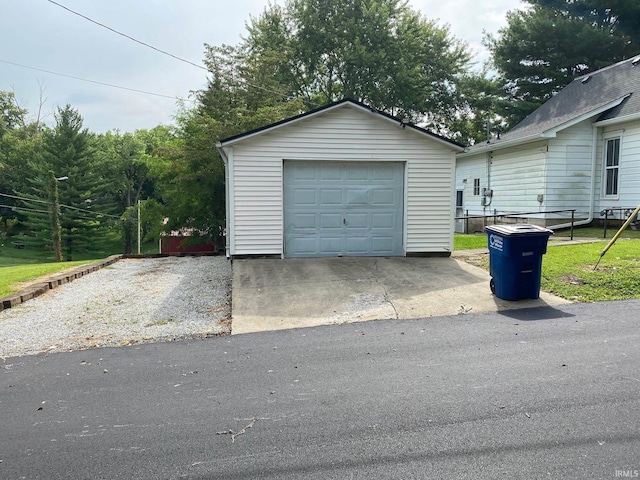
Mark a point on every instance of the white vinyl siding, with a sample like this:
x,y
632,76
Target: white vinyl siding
x,y
341,134
467,170
518,177
569,161
628,169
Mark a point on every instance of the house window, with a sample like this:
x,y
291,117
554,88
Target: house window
x,y
476,186
612,168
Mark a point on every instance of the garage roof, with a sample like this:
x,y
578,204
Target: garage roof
x,y
339,104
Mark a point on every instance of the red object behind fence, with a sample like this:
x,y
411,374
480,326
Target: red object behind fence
x,y
173,244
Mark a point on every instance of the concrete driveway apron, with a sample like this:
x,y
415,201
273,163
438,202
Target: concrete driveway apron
x,y
274,294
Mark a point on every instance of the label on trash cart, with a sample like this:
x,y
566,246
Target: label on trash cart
x,y
496,242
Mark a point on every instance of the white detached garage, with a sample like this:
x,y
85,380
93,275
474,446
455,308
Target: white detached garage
x,y
342,180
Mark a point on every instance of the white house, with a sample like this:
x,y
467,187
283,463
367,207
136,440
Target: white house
x,y
580,150
342,180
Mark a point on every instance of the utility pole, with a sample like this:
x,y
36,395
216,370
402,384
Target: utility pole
x,y
138,226
56,229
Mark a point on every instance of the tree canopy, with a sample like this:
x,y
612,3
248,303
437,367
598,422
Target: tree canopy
x,y
380,52
544,47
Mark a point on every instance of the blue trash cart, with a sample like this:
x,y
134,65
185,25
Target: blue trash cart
x,y
515,259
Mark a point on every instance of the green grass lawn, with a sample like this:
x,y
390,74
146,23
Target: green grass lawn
x,y
567,271
19,265
469,242
12,277
472,241
593,232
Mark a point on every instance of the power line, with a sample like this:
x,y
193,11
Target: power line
x,y
24,209
91,81
128,36
13,207
288,97
61,205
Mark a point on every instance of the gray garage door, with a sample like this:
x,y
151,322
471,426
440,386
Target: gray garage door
x,y
343,208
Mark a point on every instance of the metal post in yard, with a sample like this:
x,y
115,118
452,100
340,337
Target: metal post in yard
x,y
466,222
573,214
606,215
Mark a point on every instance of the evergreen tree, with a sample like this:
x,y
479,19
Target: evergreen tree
x,y
542,49
69,165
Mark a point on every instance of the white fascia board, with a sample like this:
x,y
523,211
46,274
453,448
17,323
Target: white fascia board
x,y
613,121
551,133
490,147
222,152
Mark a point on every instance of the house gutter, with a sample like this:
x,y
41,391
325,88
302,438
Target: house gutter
x,y
592,193
225,159
490,147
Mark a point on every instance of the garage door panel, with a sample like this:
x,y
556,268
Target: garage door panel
x,y
305,196
330,171
356,220
357,172
383,196
331,221
304,220
307,246
357,246
330,246
330,196
343,208
358,196
384,173
303,171
383,220
383,244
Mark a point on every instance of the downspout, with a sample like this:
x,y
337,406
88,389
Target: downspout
x,y
227,236
592,193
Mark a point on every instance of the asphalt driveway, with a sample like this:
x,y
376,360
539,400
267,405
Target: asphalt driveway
x,y
274,294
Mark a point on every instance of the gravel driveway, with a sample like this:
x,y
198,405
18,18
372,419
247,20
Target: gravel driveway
x,y
131,301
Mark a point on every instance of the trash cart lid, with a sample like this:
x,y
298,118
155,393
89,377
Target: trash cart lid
x,y
519,229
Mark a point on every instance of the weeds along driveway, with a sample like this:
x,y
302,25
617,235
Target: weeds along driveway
x,y
131,301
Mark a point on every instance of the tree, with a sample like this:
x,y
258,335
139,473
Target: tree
x,y
124,158
481,99
68,155
20,142
189,176
379,52
542,49
297,57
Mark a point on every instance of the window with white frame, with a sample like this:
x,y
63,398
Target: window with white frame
x,y
476,186
611,166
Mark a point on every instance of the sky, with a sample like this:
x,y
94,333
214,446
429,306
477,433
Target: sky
x,y
41,35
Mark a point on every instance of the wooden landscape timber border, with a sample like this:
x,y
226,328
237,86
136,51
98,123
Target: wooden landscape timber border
x,y
56,280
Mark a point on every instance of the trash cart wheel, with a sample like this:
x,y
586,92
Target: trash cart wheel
x,y
492,286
